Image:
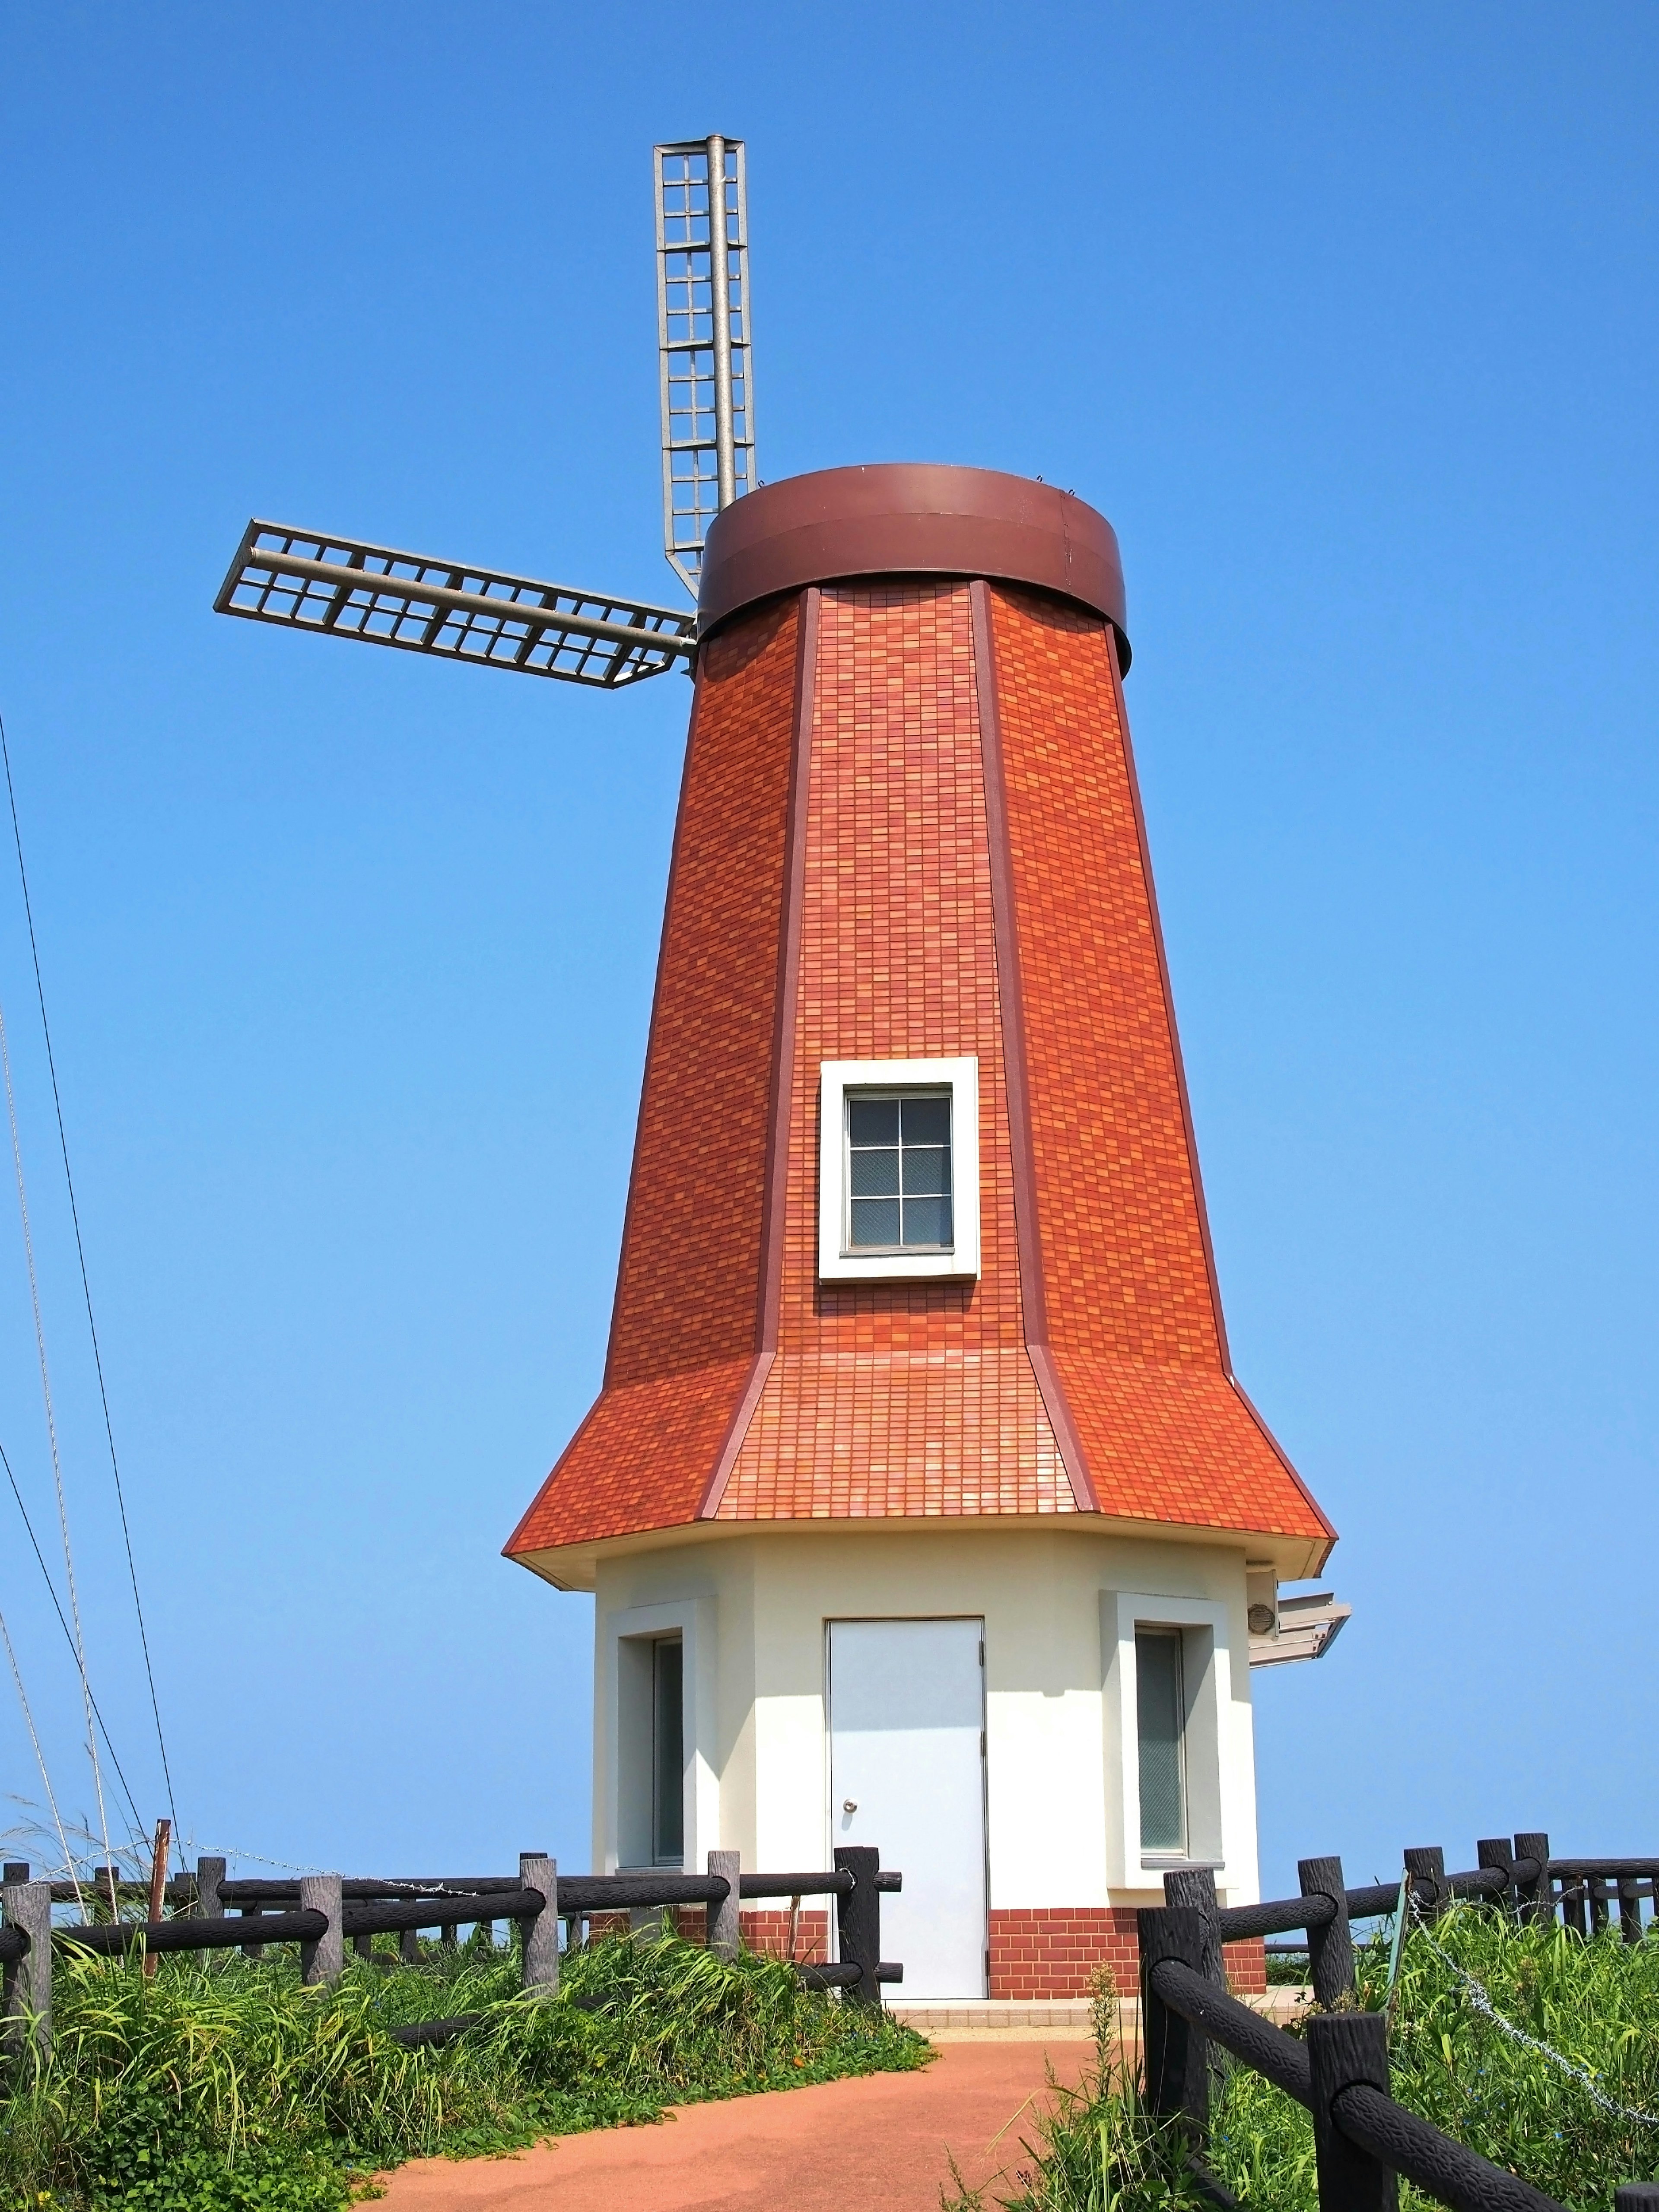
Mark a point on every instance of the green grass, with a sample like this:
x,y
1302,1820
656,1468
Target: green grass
x,y
223,2084
1595,2003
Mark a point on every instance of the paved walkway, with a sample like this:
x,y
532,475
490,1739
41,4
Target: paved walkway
x,y
882,2143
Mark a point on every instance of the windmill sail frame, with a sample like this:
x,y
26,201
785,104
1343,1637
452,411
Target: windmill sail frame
x,y
704,336
346,587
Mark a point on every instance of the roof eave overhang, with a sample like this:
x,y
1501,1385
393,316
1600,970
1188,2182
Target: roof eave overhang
x,y
574,1566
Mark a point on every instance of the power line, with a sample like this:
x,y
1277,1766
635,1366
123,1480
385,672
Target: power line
x,y
86,1285
51,1440
41,1761
51,1591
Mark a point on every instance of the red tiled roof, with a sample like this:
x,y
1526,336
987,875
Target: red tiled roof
x,y
876,859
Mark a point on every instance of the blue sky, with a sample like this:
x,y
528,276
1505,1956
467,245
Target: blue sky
x,y
1345,319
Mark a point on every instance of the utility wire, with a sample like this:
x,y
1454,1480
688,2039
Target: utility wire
x,y
86,1285
52,1439
52,1591
41,1761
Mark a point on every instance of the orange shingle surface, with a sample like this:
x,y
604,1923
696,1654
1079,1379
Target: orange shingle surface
x,y
683,1331
897,1398
1134,1322
919,1400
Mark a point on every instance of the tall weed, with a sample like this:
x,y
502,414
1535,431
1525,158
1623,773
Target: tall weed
x,y
222,2085
1592,2003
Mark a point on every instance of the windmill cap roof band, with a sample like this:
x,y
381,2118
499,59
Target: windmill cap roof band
x,y
911,519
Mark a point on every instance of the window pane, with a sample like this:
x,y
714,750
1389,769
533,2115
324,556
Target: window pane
x,y
926,1170
1161,1716
668,1752
876,1173
927,1221
875,1221
872,1120
927,1121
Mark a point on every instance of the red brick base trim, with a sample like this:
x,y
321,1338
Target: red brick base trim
x,y
766,1932
1054,1952
769,1932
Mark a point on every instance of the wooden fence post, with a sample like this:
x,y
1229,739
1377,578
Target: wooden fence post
x,y
858,1919
541,1936
324,1960
1427,1864
1496,1851
409,1947
1174,2060
28,1981
1629,1907
1191,1889
15,1871
721,1922
1536,1899
1330,1948
1344,2048
210,1872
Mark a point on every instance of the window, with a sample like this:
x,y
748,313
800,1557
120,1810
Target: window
x,y
1161,1716
898,1172
1177,1715
657,1796
898,1166
667,1750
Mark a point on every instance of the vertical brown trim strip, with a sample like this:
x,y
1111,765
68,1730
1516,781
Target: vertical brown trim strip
x,y
1169,1010
1034,1302
783,1049
651,1027
775,1193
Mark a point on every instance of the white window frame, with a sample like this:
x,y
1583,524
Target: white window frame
x,y
960,1077
1220,1790
626,1720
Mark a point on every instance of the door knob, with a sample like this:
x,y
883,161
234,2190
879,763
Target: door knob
x,y
849,1804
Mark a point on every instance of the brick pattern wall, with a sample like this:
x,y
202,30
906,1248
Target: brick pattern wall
x,y
1134,1327
685,1330
1055,1953
898,1398
768,1931
763,1930
893,1399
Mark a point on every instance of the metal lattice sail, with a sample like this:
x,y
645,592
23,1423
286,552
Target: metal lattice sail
x,y
704,329
344,588
336,587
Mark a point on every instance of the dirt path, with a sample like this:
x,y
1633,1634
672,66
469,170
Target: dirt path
x,y
879,2144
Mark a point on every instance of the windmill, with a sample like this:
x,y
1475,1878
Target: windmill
x,y
916,1281
309,579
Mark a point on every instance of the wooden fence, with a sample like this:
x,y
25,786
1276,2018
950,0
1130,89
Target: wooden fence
x,y
323,1912
1362,2139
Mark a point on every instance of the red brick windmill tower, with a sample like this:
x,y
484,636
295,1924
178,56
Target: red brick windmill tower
x,y
920,1502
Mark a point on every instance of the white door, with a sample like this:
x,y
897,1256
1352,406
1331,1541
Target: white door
x,y
907,1773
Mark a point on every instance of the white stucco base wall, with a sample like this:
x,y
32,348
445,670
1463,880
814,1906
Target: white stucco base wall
x,y
1060,1605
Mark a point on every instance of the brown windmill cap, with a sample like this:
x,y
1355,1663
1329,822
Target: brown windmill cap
x,y
911,519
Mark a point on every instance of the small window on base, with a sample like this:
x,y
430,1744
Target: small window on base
x,y
668,1751
1161,1704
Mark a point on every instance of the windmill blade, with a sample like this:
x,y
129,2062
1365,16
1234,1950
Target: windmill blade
x,y
344,589
703,332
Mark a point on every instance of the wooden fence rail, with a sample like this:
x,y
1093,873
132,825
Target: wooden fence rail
x,y
323,1912
1362,2138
